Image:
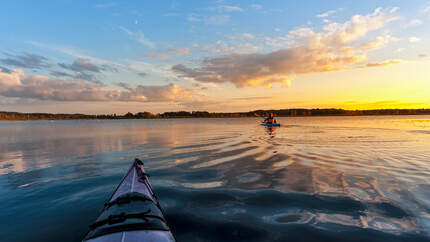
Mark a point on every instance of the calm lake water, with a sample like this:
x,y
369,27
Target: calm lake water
x,y
312,179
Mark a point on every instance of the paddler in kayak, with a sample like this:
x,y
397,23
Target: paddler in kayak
x,y
270,119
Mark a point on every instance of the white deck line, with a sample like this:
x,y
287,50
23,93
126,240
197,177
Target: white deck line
x,y
132,182
123,237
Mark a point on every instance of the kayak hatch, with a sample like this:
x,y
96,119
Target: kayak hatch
x,y
132,213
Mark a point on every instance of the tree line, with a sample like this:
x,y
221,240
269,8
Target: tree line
x,y
205,114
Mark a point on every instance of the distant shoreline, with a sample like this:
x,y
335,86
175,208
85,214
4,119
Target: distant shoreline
x,y
17,116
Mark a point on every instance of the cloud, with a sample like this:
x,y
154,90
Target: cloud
x,y
83,69
192,17
336,49
167,53
279,42
208,48
19,85
25,60
302,32
414,22
87,77
394,9
217,19
61,74
10,79
238,47
123,85
164,93
126,65
142,74
326,14
377,43
228,8
252,98
105,5
414,39
260,69
247,36
357,27
380,64
81,64
5,70
255,6
79,54
139,37
77,75
140,66
427,9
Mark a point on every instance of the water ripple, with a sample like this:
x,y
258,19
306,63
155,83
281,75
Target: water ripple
x,y
312,179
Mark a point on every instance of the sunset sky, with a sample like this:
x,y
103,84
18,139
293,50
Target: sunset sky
x,y
117,56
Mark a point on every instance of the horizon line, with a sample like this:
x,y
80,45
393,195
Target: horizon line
x,y
237,112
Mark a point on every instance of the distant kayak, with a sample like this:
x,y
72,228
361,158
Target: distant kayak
x,y
132,213
270,125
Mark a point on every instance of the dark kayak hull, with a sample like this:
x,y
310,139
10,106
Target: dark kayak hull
x,y
270,125
132,213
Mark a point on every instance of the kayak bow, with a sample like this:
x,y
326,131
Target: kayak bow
x,y
132,213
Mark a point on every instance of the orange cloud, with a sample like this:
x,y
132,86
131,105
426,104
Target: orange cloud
x,y
16,84
380,64
335,49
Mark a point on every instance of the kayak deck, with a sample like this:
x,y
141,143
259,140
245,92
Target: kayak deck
x,y
132,213
271,125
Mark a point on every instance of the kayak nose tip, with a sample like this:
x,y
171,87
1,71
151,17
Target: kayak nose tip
x,y
138,161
